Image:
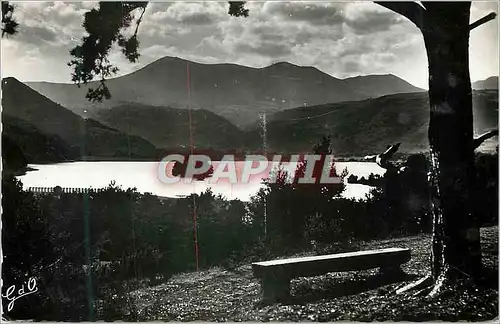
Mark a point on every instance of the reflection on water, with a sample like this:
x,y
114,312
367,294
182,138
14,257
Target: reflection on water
x,y
144,177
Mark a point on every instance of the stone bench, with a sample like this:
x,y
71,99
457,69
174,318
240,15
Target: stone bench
x,y
275,275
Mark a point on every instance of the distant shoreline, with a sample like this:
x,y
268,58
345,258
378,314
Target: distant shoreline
x,y
237,157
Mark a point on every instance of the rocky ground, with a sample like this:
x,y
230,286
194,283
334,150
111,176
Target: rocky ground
x,y
223,295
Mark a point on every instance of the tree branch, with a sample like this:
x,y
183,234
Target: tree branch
x,y
478,141
483,20
9,23
237,9
139,21
411,10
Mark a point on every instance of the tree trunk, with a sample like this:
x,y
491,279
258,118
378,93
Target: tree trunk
x,y
455,245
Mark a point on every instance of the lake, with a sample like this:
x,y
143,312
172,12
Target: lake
x,y
144,177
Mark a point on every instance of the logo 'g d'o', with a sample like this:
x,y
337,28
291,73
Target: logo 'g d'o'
x,y
26,289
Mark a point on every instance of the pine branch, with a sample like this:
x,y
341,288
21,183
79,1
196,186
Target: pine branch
x,y
237,9
9,23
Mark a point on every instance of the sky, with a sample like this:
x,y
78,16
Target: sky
x,y
343,39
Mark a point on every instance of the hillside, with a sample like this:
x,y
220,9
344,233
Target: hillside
x,y
87,136
490,83
167,127
235,92
234,294
367,126
36,146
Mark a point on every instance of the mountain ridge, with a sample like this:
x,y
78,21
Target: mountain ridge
x,y
357,127
235,92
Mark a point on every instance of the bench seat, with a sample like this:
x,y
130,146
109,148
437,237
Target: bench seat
x,y
276,275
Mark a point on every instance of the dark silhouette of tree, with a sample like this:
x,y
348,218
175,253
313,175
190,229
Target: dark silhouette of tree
x,y
237,9
9,23
445,28
105,26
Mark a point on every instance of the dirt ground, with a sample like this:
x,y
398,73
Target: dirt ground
x,y
221,295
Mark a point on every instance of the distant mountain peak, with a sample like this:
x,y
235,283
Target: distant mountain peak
x,y
490,83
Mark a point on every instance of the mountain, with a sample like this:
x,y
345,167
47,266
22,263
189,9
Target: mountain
x,y
491,83
366,127
87,136
235,92
373,86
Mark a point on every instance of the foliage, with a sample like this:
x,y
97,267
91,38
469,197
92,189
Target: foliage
x,y
26,245
9,23
237,9
287,210
105,25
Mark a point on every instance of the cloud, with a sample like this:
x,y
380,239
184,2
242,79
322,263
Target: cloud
x,y
182,13
368,18
341,38
370,24
313,13
268,49
352,67
36,35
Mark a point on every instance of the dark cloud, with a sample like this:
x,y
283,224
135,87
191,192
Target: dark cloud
x,y
192,14
315,14
37,35
358,47
201,18
361,18
375,22
264,48
351,66
267,33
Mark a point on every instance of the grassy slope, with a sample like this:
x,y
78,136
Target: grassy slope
x,y
368,126
223,295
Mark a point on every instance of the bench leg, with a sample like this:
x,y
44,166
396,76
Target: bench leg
x,y
275,289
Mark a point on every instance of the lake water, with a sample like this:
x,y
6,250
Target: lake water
x,y
144,177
